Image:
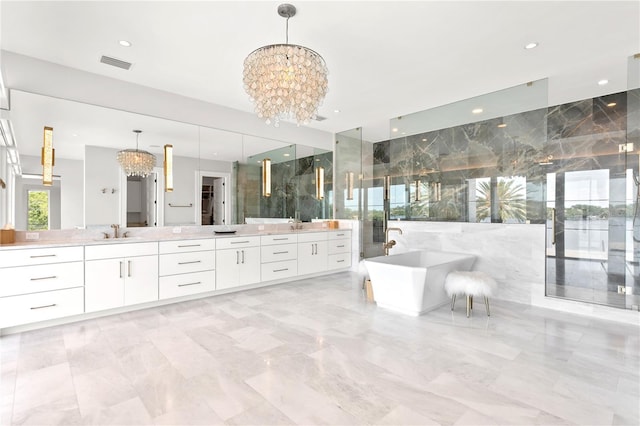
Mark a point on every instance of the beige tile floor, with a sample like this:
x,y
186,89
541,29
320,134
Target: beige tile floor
x,y
314,352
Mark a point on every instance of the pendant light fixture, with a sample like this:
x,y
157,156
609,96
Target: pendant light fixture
x,y
135,162
266,177
320,183
285,80
168,168
47,157
349,185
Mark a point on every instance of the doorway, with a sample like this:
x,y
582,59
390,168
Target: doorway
x,y
212,196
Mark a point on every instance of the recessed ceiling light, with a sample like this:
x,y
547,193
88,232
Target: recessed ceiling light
x,y
611,104
125,43
477,110
74,135
317,159
336,111
502,125
424,140
395,129
603,82
531,45
286,154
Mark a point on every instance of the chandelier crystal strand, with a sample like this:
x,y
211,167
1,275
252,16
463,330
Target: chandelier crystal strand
x,y
135,162
285,81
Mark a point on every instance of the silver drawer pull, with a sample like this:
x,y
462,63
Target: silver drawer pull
x,y
239,242
280,270
340,261
280,252
42,255
184,285
44,278
187,263
45,306
281,239
340,246
189,245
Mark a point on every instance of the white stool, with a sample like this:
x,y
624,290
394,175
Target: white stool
x,y
470,283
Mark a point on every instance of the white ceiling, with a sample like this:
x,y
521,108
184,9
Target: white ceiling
x,y
385,58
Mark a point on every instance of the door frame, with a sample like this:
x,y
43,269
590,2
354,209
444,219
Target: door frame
x,y
198,191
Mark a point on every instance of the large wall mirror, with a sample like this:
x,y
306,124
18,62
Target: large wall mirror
x,y
217,174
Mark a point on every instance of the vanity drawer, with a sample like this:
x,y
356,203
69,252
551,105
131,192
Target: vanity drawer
x,y
339,261
118,250
237,242
338,235
183,246
279,252
40,256
186,284
34,279
29,308
267,240
338,246
307,237
182,263
278,270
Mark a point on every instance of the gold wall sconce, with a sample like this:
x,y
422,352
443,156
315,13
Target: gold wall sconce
x,y
387,187
266,177
47,157
320,183
349,185
418,192
168,168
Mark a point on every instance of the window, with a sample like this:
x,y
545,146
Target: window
x,y
38,219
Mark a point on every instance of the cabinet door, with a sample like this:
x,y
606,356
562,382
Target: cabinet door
x,y
103,284
249,265
227,268
141,280
312,257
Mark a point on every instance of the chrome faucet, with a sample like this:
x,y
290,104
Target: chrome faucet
x,y
389,244
116,228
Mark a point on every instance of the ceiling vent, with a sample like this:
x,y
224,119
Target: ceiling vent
x,y
320,118
115,62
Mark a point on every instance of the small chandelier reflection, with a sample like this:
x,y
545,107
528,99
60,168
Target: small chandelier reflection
x,y
285,80
135,162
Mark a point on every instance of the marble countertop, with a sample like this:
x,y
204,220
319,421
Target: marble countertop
x,y
79,241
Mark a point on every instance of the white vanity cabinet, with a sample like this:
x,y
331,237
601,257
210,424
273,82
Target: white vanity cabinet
x,y
312,252
120,274
187,267
237,261
339,249
40,284
279,256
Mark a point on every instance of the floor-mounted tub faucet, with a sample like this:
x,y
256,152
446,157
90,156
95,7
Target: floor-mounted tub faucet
x,y
389,244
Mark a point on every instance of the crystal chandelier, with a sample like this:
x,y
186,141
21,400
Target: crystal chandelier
x,y
285,80
135,162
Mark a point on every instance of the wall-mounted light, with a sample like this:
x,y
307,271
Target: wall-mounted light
x,y
168,168
320,183
266,177
418,194
386,186
436,188
349,184
47,157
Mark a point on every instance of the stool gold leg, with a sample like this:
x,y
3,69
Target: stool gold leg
x,y
453,301
468,305
486,304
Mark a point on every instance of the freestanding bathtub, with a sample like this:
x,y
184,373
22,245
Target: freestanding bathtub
x,y
413,283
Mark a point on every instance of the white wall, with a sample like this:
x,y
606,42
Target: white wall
x,y
46,78
101,170
71,174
